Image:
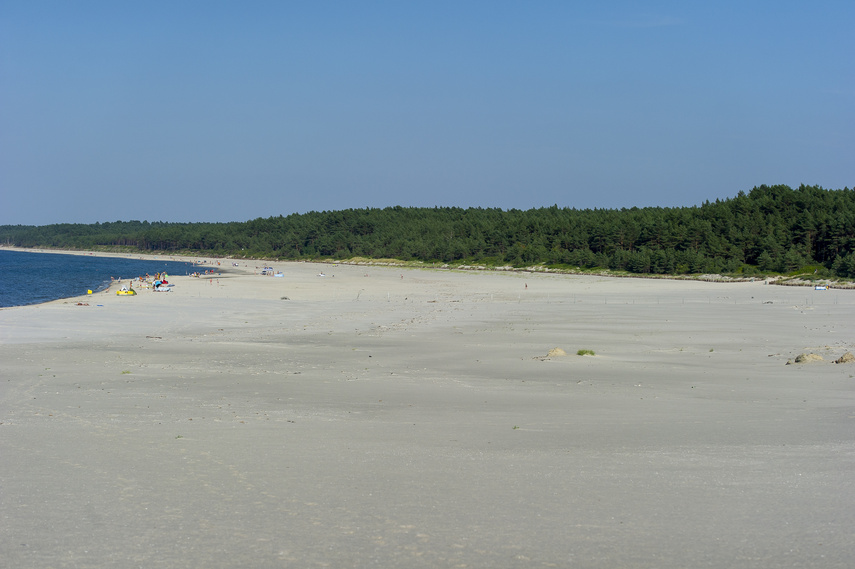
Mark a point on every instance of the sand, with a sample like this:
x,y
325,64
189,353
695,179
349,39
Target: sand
x,y
386,417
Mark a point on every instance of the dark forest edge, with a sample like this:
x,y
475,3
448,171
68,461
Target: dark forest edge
x,y
770,230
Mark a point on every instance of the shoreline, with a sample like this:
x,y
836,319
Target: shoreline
x,y
99,282
108,254
778,280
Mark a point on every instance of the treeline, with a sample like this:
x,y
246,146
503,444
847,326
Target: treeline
x,y
770,229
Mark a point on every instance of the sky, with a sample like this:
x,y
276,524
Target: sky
x,y
210,111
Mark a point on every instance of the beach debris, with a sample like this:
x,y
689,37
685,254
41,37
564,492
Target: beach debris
x,y
805,358
555,353
846,358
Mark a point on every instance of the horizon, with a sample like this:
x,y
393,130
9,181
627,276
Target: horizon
x,y
619,208
227,113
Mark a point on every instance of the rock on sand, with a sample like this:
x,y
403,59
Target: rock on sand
x,y
846,358
805,358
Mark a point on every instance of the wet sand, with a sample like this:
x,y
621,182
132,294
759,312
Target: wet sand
x,y
384,417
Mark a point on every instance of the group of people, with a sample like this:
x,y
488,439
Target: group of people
x,y
158,280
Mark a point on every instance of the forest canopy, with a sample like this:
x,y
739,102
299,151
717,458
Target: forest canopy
x,y
769,229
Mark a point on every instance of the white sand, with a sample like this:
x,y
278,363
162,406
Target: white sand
x,y
378,421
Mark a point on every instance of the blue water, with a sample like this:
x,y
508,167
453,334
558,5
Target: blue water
x,y
32,278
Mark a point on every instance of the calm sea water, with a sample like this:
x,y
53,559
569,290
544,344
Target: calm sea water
x,y
31,278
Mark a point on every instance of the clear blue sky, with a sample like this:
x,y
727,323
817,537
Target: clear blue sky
x,y
229,111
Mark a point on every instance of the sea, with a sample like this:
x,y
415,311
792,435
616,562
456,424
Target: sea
x,y
33,278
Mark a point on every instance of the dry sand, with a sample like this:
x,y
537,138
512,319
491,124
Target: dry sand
x,y
382,417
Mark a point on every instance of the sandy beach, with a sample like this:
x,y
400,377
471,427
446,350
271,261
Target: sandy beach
x,y
388,417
